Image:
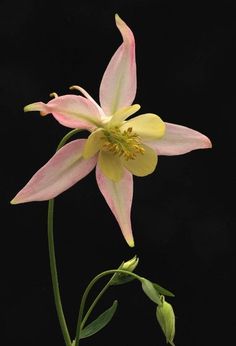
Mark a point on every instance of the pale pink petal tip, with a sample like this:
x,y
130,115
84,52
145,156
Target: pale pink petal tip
x,y
14,201
131,243
37,106
126,32
208,143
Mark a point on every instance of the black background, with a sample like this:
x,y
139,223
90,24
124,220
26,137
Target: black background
x,y
183,215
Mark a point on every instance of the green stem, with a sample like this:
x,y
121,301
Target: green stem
x,y
80,322
94,304
67,137
55,284
52,257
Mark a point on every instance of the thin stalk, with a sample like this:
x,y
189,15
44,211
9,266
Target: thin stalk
x,y
52,257
94,304
81,323
67,137
54,276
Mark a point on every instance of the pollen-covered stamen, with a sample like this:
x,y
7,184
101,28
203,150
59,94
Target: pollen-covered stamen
x,y
127,143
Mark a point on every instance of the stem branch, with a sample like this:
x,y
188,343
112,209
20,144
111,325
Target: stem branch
x,y
80,322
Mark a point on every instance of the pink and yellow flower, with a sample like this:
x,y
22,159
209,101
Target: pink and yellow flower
x,y
117,146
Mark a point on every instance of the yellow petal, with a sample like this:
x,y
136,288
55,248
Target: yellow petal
x,y
110,165
93,144
147,126
143,164
119,116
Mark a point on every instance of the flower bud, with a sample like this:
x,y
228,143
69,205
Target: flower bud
x,y
122,278
131,264
166,318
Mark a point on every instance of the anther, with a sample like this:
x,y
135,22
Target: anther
x,y
126,143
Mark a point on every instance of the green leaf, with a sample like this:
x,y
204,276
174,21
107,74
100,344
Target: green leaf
x,y
150,291
162,290
100,322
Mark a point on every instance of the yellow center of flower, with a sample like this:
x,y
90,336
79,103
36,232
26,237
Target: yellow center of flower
x,y
127,143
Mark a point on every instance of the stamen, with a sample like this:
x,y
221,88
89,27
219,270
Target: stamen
x,y
127,143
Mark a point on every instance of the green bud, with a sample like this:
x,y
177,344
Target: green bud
x,y
131,264
166,318
122,278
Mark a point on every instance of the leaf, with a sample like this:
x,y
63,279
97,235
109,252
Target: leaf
x,y
150,291
162,290
100,322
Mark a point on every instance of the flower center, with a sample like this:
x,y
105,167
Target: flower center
x,y
127,143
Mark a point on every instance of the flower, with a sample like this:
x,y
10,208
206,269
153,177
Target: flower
x,y
166,318
119,148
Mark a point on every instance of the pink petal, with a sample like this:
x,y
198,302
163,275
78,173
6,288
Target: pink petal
x,y
70,110
179,140
62,171
118,85
118,196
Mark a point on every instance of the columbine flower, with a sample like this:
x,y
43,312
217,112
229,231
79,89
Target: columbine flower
x,y
119,148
